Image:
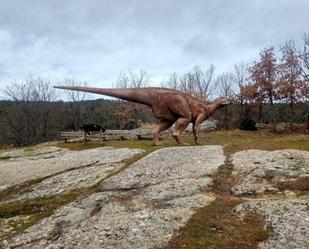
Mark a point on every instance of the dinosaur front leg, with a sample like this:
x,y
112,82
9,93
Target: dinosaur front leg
x,y
163,125
196,127
180,125
195,134
196,131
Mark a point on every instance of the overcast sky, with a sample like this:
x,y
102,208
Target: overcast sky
x,y
95,40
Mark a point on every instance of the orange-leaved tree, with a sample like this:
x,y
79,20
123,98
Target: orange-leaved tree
x,y
264,75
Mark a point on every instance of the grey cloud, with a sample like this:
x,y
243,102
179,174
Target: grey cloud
x,y
95,40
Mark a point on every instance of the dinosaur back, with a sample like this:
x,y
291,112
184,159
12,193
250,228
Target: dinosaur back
x,y
146,95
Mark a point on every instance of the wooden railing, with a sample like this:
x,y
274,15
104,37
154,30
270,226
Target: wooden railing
x,y
70,136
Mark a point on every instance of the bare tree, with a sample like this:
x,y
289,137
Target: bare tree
x,y
204,81
130,114
33,89
173,82
29,119
240,76
133,79
304,55
187,83
290,83
196,82
225,82
75,96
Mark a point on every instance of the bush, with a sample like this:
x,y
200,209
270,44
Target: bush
x,y
247,123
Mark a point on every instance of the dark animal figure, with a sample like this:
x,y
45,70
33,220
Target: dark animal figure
x,y
170,106
88,128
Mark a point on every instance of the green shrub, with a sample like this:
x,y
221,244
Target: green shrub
x,y
247,123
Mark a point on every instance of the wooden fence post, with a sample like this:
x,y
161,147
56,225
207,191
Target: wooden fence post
x,y
100,136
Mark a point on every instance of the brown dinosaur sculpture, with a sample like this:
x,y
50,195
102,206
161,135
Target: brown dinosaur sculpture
x,y
170,106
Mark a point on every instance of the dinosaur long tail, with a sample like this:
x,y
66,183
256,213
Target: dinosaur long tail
x,y
137,95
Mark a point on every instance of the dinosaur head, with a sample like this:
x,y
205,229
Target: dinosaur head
x,y
223,102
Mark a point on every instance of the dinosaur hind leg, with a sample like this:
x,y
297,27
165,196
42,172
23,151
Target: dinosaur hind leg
x,y
180,125
163,125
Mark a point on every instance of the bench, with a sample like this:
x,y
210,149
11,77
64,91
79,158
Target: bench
x,y
77,136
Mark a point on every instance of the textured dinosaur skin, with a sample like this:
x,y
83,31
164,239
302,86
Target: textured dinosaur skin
x,y
168,105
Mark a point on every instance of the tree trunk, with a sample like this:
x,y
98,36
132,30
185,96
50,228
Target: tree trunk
x,y
272,112
292,114
274,122
242,106
260,112
308,122
226,119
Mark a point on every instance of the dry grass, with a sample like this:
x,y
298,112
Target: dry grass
x,y
301,184
37,209
232,141
215,226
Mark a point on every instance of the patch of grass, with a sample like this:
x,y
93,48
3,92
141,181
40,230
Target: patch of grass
x,y
232,141
215,226
80,145
39,206
36,208
20,188
29,149
244,140
222,179
301,184
145,145
7,226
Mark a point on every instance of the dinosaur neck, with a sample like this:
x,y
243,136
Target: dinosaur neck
x,y
137,95
212,108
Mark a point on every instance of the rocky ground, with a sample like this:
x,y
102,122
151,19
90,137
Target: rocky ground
x,y
286,211
142,205
260,171
28,165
